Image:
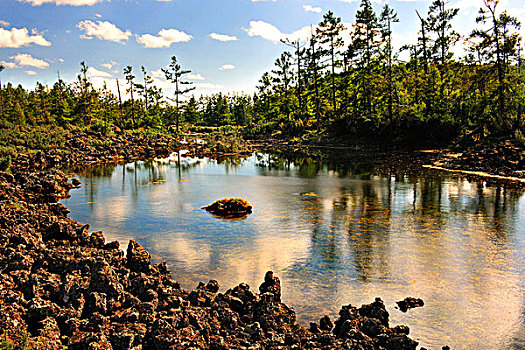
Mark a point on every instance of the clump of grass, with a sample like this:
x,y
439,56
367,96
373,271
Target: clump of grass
x,y
230,208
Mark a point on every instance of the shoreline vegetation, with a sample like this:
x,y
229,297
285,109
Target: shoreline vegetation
x,y
66,287
344,88
340,84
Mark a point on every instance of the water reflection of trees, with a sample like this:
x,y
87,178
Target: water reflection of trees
x,y
132,176
309,166
517,340
369,230
428,204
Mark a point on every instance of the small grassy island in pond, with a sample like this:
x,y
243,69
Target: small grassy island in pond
x,y
230,208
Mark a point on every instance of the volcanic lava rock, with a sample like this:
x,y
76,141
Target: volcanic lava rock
x,y
409,303
271,285
138,259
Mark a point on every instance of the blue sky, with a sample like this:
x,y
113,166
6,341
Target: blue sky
x,y
226,44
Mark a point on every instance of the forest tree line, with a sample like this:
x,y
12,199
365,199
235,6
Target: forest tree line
x,y
354,86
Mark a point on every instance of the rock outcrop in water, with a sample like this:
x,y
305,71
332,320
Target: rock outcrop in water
x,y
230,208
409,303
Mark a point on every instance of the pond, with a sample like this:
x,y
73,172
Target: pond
x,y
335,233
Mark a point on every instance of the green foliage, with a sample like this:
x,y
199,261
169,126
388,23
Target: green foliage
x,y
361,90
99,144
518,135
227,139
36,138
428,100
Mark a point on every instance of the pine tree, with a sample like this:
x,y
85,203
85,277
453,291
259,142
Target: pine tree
x,y
498,45
129,78
424,41
314,57
283,77
363,49
299,53
191,111
264,90
388,16
175,74
329,31
1,92
440,22
145,89
85,97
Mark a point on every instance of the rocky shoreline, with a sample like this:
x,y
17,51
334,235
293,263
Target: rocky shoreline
x,y
63,286
83,149
497,161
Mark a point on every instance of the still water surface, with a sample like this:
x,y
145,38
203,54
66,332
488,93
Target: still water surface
x,y
333,235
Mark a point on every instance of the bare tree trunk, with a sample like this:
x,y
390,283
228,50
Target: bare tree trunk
x,y
119,101
424,39
132,107
177,102
334,105
2,98
299,94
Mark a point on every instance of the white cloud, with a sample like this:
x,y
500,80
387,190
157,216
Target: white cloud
x,y
10,65
98,15
157,73
380,1
30,72
310,8
62,2
109,64
194,77
165,38
98,83
301,34
472,6
223,37
93,72
226,67
270,32
103,30
4,23
15,38
61,60
24,59
264,30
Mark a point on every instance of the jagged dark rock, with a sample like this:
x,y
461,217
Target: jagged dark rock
x,y
409,303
